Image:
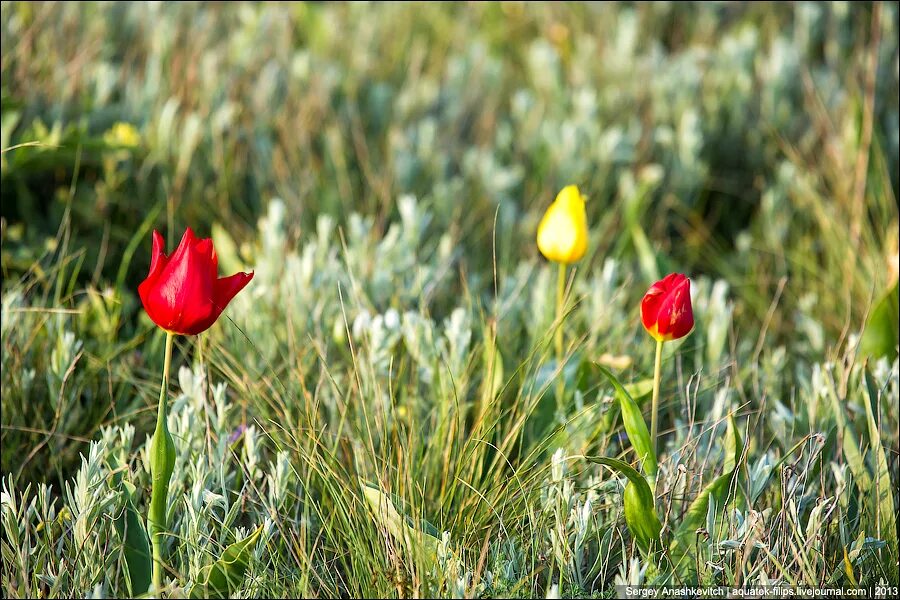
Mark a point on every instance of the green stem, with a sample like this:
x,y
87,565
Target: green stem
x,y
560,315
162,462
654,410
200,352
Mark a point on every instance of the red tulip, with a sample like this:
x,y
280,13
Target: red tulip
x,y
183,293
666,308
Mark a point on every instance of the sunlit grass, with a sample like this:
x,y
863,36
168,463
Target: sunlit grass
x,y
383,170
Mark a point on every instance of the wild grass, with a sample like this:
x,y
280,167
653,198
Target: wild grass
x,y
383,170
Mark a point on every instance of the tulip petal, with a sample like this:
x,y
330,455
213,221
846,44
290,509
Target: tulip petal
x,y
650,309
187,242
226,288
158,257
666,310
158,261
197,301
207,254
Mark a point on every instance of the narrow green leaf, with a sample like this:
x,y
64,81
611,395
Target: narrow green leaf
x,y
734,446
221,578
398,525
493,368
885,518
848,569
640,511
135,241
880,337
640,391
634,423
849,444
136,544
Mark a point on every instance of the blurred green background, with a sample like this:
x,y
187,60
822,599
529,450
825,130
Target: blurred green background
x,y
383,167
742,120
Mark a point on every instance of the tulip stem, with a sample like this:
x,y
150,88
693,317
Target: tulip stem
x,y
162,462
560,315
654,410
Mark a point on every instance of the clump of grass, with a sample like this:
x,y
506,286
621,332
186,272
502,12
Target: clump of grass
x,y
381,401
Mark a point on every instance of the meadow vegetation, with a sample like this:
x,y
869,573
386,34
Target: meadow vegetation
x,y
376,414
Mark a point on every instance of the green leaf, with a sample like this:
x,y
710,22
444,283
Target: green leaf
x,y
849,444
633,210
400,526
493,368
880,335
139,235
640,511
848,569
136,544
714,494
635,426
734,446
639,390
885,518
221,578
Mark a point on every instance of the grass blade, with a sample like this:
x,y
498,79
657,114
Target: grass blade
x,y
885,517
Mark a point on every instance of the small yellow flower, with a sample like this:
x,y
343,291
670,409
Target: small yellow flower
x,y
562,234
122,134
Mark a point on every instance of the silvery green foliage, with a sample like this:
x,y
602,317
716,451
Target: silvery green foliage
x,y
605,299
478,122
67,541
325,288
713,313
571,522
457,579
377,336
809,328
631,572
395,187
886,376
61,360
69,544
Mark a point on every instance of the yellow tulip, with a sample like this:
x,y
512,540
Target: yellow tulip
x,y
562,234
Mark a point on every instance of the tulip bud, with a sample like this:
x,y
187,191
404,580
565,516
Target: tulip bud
x,y
183,293
562,234
666,308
